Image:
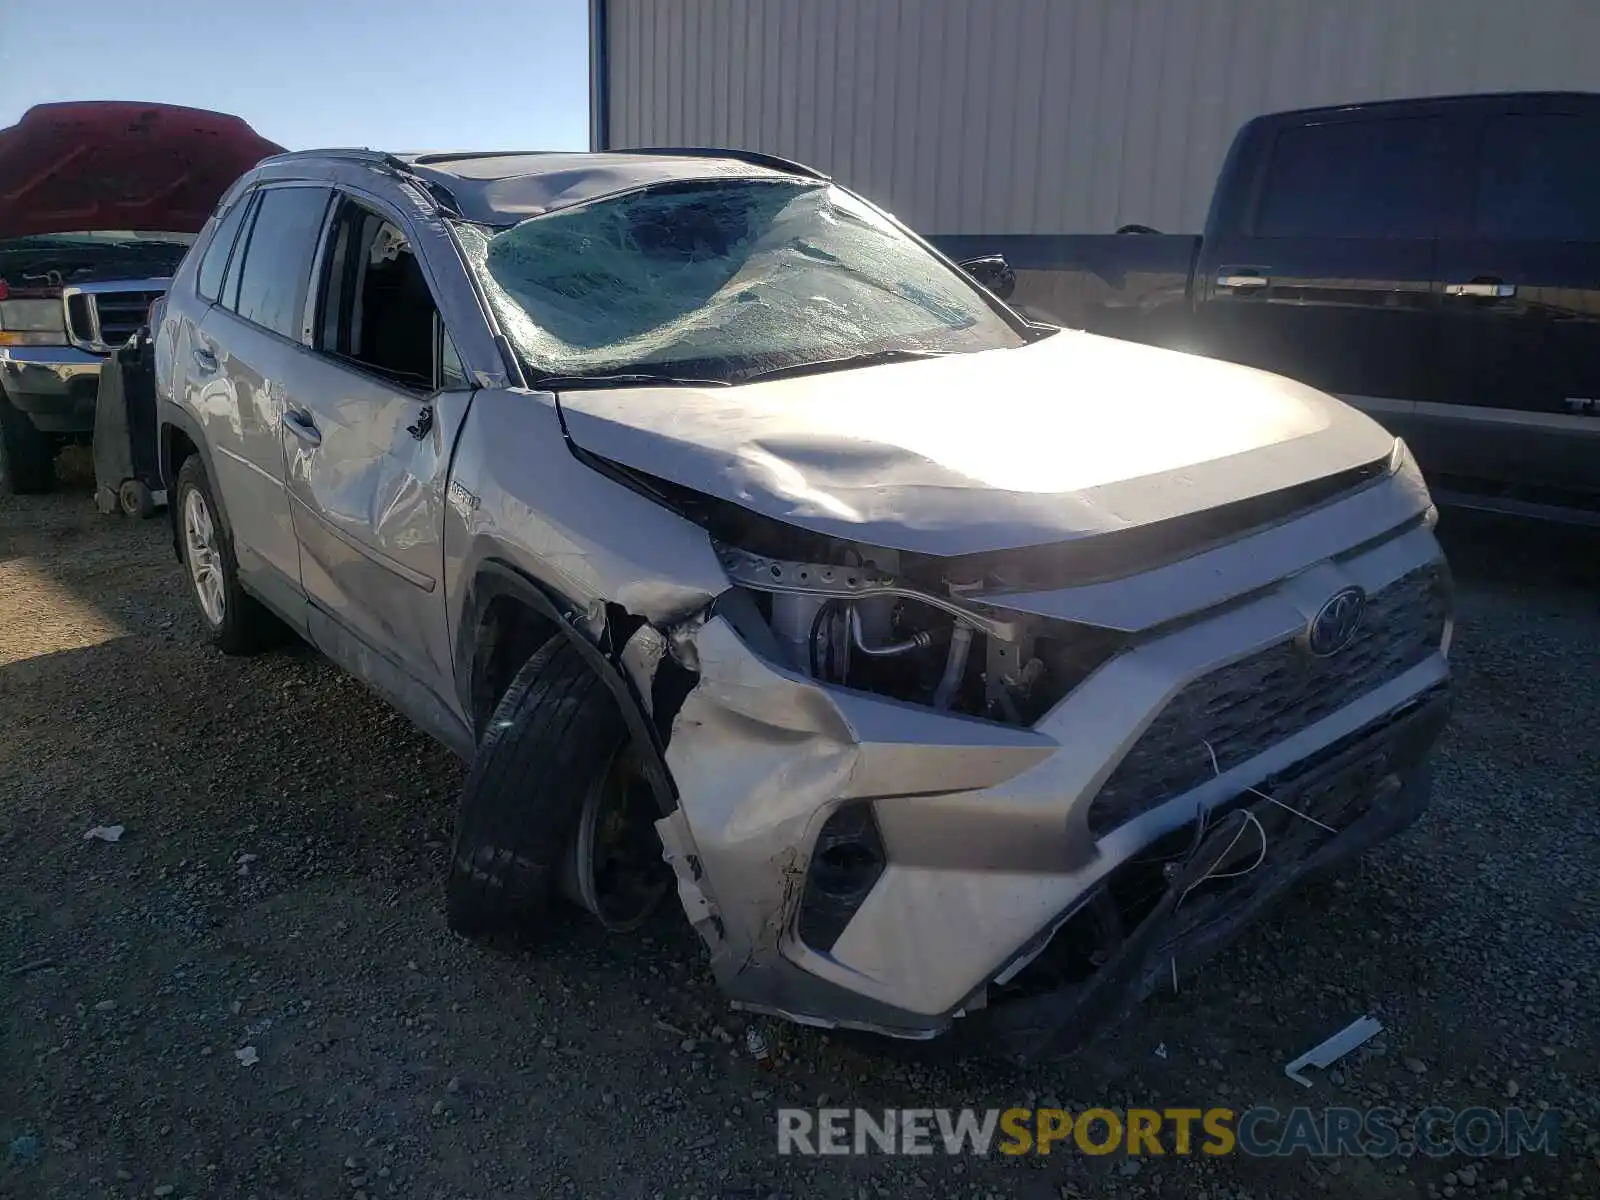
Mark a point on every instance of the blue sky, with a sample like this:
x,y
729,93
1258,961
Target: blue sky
x,y
394,75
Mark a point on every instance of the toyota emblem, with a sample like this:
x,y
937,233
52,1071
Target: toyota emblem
x,y
1336,623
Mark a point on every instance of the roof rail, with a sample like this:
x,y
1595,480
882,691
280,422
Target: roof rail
x,y
351,153
449,156
436,190
754,157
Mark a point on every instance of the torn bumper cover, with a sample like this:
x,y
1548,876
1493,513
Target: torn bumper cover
x,y
858,861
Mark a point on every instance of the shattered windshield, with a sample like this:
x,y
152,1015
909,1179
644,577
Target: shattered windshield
x,y
724,280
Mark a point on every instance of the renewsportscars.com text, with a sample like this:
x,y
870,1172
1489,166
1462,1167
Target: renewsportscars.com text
x,y
1259,1132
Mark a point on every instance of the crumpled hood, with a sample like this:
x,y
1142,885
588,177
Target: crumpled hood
x,y
1070,437
81,167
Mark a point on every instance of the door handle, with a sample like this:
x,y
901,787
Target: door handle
x,y
424,423
1487,289
204,359
303,427
1240,280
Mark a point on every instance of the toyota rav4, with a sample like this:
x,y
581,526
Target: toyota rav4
x,y
944,665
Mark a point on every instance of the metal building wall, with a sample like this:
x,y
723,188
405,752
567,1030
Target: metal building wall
x,y
1048,116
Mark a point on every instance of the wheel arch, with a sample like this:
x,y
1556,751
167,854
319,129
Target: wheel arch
x,y
487,656
179,437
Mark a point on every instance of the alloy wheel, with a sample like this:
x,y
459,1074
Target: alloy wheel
x,y
204,556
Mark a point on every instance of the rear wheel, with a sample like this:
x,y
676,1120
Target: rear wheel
x,y
235,620
554,799
27,457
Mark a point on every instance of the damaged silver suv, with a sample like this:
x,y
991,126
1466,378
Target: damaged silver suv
x,y
943,664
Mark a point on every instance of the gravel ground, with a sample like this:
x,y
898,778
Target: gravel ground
x,y
278,887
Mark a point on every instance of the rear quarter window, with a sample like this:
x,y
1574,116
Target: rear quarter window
x,y
1356,179
208,281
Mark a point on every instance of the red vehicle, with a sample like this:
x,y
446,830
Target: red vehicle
x,y
99,202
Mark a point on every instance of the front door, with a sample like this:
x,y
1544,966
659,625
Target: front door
x,y
1522,303
1329,278
376,405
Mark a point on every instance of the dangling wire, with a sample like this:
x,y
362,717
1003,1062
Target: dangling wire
x,y
1291,808
1208,877
1255,791
1201,820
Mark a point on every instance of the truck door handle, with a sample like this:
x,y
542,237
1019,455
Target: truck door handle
x,y
1240,280
1489,289
205,359
302,426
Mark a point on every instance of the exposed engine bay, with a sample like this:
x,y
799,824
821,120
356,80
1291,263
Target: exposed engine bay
x,y
860,625
63,260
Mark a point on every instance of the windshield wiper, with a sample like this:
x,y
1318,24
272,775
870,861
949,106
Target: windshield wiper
x,y
552,383
869,358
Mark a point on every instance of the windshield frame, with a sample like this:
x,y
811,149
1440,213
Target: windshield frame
x,y
485,286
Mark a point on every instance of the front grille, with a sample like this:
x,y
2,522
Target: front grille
x,y
80,317
106,320
121,314
1246,708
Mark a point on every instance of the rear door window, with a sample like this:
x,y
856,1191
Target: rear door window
x,y
1539,178
277,258
209,279
1357,179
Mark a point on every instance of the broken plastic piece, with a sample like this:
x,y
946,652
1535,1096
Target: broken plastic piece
x,y
1359,1031
756,1042
105,833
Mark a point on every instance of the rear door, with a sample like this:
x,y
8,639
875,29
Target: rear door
x,y
1328,275
241,357
1522,303
378,398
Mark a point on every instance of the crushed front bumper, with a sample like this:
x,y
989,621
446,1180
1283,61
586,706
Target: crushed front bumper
x,y
1303,824
991,852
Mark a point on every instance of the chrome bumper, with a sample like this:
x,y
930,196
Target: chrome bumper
x,y
55,386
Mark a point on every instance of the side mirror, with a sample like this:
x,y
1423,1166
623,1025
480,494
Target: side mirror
x,y
994,273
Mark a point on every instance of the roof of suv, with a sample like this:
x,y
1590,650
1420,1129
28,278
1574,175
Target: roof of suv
x,y
502,188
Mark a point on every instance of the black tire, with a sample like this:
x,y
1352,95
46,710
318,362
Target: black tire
x,y
245,626
135,499
550,738
27,457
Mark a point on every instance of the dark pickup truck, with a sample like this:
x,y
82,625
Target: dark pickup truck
x,y
1434,262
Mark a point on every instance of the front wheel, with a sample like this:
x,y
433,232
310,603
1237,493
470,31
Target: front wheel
x,y
236,622
555,800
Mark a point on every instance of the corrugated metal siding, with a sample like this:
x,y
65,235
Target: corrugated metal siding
x,y
1052,116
